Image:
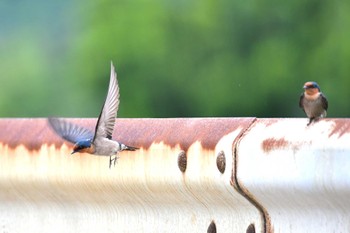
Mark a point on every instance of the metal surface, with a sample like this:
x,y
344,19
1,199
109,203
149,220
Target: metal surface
x,y
298,175
190,175
178,181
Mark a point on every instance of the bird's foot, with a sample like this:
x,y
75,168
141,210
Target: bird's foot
x,y
310,121
114,160
314,119
116,157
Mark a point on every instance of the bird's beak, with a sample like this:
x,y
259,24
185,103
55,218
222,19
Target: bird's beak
x,y
73,152
305,87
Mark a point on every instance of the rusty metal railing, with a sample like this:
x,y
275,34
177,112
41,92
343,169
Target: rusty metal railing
x,y
190,175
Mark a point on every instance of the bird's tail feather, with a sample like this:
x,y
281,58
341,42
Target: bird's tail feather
x,y
130,148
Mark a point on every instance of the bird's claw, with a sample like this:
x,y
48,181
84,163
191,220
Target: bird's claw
x,y
313,120
114,160
310,121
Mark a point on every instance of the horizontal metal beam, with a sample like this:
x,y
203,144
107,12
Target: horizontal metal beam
x,y
179,181
190,175
299,175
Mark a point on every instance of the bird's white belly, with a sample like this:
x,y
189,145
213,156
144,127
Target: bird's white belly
x,y
106,147
313,108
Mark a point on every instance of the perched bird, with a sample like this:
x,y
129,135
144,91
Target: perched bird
x,y
100,142
313,102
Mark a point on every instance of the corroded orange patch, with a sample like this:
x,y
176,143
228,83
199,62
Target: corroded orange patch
x,y
33,133
274,144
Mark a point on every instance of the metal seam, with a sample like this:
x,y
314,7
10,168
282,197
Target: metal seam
x,y
244,192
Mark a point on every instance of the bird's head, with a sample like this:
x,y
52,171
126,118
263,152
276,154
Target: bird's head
x,y
311,88
83,147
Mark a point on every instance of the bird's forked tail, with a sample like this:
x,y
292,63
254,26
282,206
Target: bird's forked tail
x,y
130,148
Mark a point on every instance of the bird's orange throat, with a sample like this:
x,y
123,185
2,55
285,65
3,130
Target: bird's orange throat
x,y
89,150
311,93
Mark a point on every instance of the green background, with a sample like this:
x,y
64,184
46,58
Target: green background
x,y
174,58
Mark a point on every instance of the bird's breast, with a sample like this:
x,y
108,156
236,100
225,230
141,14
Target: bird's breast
x,y
90,150
313,106
106,147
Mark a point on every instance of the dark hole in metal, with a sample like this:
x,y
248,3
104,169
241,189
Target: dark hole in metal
x,y
221,162
251,228
212,227
182,161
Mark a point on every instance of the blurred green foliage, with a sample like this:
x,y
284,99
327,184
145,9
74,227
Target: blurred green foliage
x,y
174,58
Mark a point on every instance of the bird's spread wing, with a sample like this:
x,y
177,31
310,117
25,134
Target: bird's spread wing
x,y
70,132
324,101
301,102
106,120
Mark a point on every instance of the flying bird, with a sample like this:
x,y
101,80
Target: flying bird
x,y
313,102
100,142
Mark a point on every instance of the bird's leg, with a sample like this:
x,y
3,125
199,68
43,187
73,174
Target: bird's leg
x,y
116,158
310,121
313,119
110,161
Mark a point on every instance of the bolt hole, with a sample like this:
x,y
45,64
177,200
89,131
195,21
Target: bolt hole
x,y
221,162
212,227
182,161
251,228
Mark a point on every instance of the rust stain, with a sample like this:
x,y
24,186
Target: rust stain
x,y
33,133
186,131
341,126
274,144
271,144
269,121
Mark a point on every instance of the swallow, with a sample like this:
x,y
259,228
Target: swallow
x,y
100,142
313,102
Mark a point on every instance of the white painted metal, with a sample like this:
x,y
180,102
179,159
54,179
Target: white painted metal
x,y
48,190
300,175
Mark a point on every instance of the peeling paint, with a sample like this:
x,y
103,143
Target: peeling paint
x,y
43,184
32,133
303,183
274,144
341,126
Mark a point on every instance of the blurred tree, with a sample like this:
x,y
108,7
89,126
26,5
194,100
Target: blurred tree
x,y
173,58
